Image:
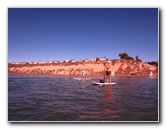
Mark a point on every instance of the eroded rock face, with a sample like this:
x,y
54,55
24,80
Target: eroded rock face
x,y
120,67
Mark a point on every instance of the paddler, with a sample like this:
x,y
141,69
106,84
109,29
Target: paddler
x,y
108,69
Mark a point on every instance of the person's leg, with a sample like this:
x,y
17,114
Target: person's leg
x,y
107,79
110,78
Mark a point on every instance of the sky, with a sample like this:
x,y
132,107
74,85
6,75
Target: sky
x,y
46,34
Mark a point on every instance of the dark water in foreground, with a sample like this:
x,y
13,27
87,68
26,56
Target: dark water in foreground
x,y
61,98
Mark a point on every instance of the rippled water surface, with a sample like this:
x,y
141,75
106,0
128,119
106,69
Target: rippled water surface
x,y
61,98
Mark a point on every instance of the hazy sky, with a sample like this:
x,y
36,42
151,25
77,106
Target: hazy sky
x,y
44,34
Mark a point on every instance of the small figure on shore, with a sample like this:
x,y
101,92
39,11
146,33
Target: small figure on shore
x,y
108,69
83,72
151,74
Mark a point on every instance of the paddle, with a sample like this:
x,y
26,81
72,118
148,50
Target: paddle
x,y
104,76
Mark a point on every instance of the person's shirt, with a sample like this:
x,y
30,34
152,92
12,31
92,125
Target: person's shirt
x,y
108,67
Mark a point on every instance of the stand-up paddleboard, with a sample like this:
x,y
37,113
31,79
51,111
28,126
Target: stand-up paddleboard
x,y
76,78
98,83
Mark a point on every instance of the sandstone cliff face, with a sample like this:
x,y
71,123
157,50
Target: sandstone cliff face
x,y
120,67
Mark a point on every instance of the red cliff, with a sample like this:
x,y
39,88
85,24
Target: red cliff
x,y
120,68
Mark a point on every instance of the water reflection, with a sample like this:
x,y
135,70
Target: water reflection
x,y
83,82
109,93
54,98
111,106
108,97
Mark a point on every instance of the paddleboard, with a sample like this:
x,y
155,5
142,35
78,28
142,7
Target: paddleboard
x,y
82,78
98,83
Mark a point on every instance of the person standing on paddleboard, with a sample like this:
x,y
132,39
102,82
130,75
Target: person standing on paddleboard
x,y
108,69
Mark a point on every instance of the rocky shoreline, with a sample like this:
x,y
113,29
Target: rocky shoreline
x,y
121,67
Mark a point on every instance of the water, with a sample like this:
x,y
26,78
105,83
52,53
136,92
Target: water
x,y
61,98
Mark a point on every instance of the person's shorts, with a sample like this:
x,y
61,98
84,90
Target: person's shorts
x,y
108,73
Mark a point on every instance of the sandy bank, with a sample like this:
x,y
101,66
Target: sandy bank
x,y
120,68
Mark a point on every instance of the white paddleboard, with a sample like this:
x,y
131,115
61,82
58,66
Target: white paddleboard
x,y
76,78
98,83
